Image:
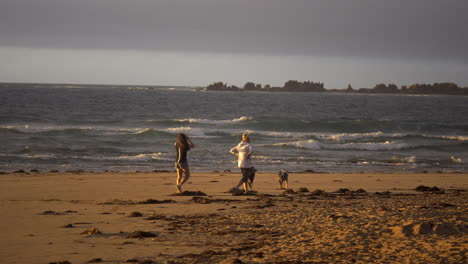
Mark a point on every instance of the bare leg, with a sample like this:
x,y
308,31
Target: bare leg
x,y
187,176
179,179
246,189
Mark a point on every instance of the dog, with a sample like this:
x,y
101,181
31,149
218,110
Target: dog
x,y
283,178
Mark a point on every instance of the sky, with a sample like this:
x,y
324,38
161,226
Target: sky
x,y
197,42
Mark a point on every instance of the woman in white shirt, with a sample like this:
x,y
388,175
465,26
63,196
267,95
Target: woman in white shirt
x,y
244,151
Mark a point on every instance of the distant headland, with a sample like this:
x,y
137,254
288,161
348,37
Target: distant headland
x,y
447,88
308,86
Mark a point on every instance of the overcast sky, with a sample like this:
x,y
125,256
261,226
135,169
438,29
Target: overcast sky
x,y
196,42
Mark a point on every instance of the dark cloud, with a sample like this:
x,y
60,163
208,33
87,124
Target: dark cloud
x,y
371,28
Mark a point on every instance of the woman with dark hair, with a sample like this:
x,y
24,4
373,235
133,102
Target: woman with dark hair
x,y
182,145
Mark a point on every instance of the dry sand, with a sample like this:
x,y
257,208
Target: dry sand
x,y
86,217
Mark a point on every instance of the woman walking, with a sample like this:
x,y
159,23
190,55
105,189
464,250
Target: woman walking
x,y
244,151
182,145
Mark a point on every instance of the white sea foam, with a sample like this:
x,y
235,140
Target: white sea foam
x,y
141,157
410,159
190,131
215,122
312,144
308,144
351,136
455,160
460,138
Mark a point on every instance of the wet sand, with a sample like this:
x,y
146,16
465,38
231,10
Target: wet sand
x,y
112,217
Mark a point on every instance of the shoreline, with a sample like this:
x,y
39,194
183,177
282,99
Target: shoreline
x,y
306,171
49,217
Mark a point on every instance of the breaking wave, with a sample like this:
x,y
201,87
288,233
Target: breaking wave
x,y
313,144
215,122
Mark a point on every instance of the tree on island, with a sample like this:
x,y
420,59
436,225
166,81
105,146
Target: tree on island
x,y
296,86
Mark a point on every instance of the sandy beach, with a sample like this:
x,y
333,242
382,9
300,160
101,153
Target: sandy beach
x,y
114,217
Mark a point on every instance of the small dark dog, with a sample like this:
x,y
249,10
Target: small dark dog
x,y
283,179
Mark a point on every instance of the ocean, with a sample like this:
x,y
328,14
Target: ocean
x,y
134,129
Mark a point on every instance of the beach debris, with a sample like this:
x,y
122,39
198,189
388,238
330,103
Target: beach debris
x,y
250,192
129,202
268,203
235,191
69,226
153,201
61,262
50,212
289,191
135,214
157,217
95,260
423,188
141,234
319,192
361,191
302,190
383,193
262,195
91,231
227,171
189,193
201,200
342,190
445,229
19,171
427,228
308,171
117,202
34,170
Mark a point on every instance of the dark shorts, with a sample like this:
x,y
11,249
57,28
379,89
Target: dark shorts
x,y
182,165
283,176
248,174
